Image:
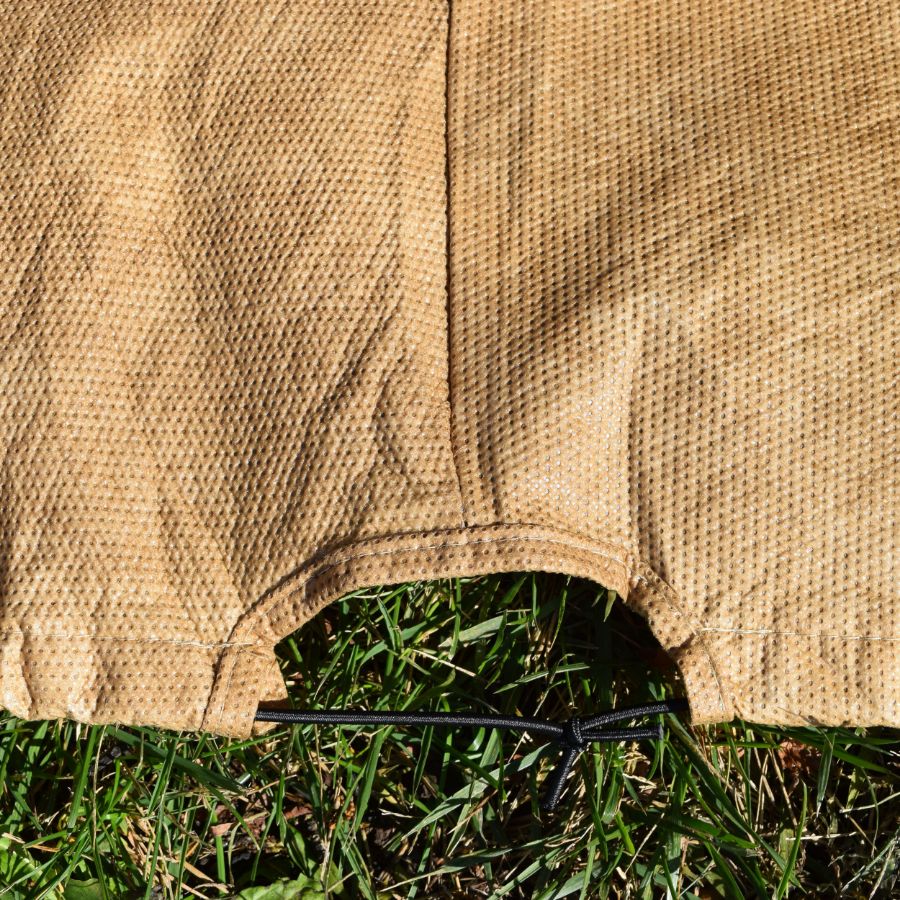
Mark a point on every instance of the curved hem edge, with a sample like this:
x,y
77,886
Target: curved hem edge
x,y
248,673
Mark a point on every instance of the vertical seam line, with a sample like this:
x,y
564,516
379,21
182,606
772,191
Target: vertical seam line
x,y
449,266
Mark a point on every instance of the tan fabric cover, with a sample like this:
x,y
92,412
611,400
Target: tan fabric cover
x,y
301,297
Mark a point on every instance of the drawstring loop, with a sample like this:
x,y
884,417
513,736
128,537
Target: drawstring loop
x,y
573,736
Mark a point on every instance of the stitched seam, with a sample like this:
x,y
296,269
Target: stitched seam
x,y
591,544
225,693
473,543
449,269
660,587
31,632
809,634
266,609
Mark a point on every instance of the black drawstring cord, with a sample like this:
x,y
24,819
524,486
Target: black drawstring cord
x,y
574,736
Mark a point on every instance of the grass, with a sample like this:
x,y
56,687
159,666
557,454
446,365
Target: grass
x,y
736,810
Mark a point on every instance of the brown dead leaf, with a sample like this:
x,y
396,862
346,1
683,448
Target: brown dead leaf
x,y
799,760
296,811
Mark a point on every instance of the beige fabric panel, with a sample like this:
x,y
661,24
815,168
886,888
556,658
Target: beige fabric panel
x,y
674,314
222,248
298,298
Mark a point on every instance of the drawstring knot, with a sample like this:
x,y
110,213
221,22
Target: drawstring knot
x,y
573,736
578,734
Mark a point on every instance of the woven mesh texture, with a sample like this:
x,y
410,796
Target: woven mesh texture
x,y
301,297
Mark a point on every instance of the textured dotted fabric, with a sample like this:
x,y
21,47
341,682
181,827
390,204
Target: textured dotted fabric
x,y
297,298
